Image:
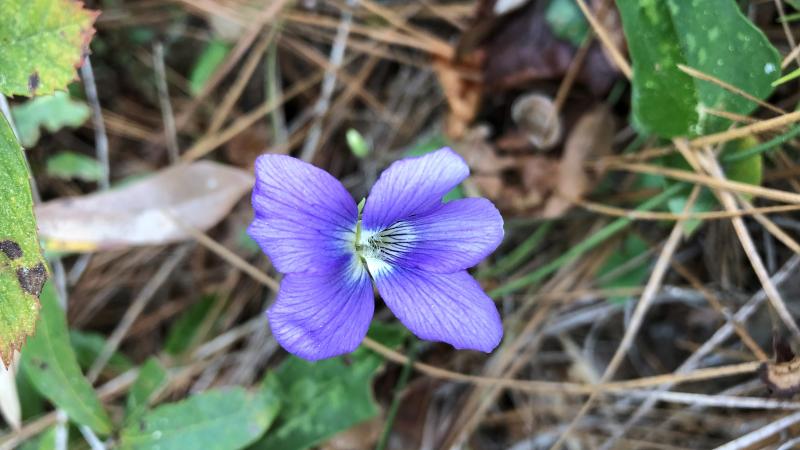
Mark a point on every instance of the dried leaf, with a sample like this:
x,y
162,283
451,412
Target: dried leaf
x,y
592,136
536,115
522,48
143,213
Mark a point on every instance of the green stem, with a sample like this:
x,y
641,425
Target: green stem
x,y
520,254
584,246
761,148
398,390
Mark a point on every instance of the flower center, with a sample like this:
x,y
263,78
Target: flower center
x,y
379,249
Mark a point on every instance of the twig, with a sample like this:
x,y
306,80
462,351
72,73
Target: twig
x,y
167,116
100,136
136,308
329,82
642,306
721,335
750,439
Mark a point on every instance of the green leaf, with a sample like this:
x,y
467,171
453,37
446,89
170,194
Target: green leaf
x,y
52,112
746,170
567,21
183,332
87,348
711,36
212,56
324,397
358,145
220,419
68,165
152,378
630,248
43,41
53,368
22,267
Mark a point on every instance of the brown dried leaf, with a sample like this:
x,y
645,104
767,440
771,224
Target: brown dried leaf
x,y
591,137
520,48
199,195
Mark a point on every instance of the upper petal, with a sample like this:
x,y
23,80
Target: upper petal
x,y
450,307
320,315
412,186
304,217
455,236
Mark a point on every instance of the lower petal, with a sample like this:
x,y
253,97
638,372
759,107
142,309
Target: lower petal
x,y
451,308
321,315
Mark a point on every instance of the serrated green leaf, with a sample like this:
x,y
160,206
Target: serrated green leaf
x,y
51,112
711,36
152,378
220,419
324,397
43,41
22,267
53,368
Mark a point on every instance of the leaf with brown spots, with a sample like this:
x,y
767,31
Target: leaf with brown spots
x,y
43,42
22,268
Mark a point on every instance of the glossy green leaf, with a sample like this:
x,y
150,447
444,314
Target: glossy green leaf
x,y
53,368
152,378
51,112
22,267
43,41
711,36
219,419
324,397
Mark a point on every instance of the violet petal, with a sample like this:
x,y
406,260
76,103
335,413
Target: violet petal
x,y
304,217
450,308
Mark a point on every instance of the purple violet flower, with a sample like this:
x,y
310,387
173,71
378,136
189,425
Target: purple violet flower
x,y
414,247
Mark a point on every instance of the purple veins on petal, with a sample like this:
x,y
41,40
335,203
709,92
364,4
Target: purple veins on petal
x,y
321,315
413,186
304,218
452,237
450,308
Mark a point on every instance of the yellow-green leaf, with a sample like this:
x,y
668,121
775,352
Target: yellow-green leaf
x,y
22,268
42,43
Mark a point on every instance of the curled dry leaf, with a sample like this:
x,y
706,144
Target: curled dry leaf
x,y
537,117
462,92
591,137
782,377
144,212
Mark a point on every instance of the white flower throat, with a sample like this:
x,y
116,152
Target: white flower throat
x,y
380,249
